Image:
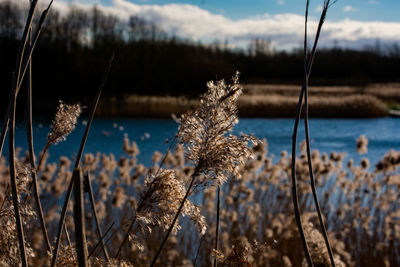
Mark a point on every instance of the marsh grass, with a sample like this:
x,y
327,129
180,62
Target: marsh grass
x,y
273,105
213,198
359,203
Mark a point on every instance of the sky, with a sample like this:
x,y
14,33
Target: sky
x,y
349,24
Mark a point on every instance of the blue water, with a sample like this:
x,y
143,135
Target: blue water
x,y
327,135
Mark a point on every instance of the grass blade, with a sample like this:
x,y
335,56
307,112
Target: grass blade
x,y
217,226
17,71
143,200
29,134
79,218
78,159
294,143
92,202
308,62
307,135
101,241
194,175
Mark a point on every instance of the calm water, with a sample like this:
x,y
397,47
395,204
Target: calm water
x,y
151,134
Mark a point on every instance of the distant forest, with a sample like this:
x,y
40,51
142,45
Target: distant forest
x,y
73,50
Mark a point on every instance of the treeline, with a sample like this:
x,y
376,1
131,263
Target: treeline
x,y
74,48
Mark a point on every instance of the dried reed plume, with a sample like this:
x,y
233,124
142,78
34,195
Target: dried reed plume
x,y
64,122
362,144
205,134
163,203
215,153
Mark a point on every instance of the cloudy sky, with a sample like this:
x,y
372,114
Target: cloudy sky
x,y
350,23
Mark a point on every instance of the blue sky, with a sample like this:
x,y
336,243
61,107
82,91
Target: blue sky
x,y
349,24
365,10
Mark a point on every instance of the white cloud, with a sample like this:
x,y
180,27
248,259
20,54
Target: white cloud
x,y
349,9
280,2
319,8
285,30
372,2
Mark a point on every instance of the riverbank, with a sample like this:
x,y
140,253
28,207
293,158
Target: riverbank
x,y
271,101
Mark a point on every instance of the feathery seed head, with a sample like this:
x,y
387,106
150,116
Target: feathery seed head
x,y
164,201
205,133
64,122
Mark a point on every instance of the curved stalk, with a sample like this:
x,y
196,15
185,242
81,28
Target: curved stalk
x,y
217,225
77,162
29,134
194,175
308,62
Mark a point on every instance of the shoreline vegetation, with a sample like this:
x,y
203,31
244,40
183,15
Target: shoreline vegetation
x,y
213,196
271,101
146,60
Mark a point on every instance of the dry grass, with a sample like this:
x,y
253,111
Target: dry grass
x,y
256,221
252,105
250,224
359,202
385,92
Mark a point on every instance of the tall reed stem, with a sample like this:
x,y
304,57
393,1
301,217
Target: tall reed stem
x,y
29,134
101,241
22,62
79,219
78,159
194,175
217,225
13,184
93,204
308,62
143,200
294,144
10,117
306,128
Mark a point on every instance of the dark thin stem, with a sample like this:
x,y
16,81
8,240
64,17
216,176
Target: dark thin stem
x,y
93,110
22,62
237,256
307,134
13,183
308,62
294,143
101,241
93,204
35,39
67,235
194,175
36,169
312,180
198,250
81,148
217,225
10,117
5,197
42,156
126,237
29,134
111,236
143,200
17,71
79,218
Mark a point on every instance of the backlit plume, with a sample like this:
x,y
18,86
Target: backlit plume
x,y
167,192
205,133
64,122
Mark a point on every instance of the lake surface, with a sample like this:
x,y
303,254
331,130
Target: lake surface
x,y
327,135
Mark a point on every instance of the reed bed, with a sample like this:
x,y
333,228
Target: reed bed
x,y
212,198
265,105
386,92
359,201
